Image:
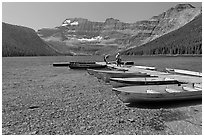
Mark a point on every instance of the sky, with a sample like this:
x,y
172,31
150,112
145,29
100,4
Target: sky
x,y
37,15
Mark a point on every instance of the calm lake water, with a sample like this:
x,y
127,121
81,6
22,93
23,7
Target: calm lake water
x,y
188,63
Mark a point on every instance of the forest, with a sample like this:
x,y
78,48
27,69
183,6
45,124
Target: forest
x,y
23,41
185,40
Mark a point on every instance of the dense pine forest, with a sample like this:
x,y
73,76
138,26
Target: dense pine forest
x,y
23,41
185,40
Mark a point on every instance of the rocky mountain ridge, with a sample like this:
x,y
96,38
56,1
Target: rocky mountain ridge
x,y
78,36
185,40
75,33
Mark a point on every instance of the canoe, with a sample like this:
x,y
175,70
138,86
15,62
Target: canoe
x,y
80,62
119,82
105,70
61,64
184,72
123,62
157,93
107,74
146,67
127,62
114,66
85,65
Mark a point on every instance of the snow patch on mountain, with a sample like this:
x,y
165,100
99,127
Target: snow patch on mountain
x,y
75,23
98,38
68,22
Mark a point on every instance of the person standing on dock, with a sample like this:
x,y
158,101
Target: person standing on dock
x,y
118,59
106,58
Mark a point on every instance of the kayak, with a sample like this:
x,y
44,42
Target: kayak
x,y
119,82
157,93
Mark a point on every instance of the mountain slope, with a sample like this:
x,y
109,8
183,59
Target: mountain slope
x,y
166,22
23,41
76,34
185,40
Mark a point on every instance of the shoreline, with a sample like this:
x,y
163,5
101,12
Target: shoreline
x,y
39,99
165,55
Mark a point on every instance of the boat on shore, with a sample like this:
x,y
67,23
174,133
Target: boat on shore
x,y
184,72
85,65
82,62
145,67
107,74
123,62
120,82
157,93
61,64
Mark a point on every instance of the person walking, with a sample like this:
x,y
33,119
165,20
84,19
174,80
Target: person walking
x,y
118,59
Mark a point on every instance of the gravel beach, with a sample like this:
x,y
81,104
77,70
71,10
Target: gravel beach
x,y
46,100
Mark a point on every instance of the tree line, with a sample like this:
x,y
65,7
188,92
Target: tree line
x,y
185,40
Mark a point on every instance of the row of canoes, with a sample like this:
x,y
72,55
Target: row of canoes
x,y
87,65
132,86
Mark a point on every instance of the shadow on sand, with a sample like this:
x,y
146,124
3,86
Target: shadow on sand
x,y
166,104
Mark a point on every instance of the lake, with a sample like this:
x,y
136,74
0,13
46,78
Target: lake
x,y
189,63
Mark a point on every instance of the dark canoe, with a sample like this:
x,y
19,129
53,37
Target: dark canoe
x,y
118,82
157,93
124,62
85,66
61,64
78,62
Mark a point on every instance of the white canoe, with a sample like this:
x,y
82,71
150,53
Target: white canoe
x,y
157,93
118,82
107,74
145,67
184,72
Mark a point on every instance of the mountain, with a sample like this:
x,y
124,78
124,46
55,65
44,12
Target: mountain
x,y
23,41
81,36
185,40
164,23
